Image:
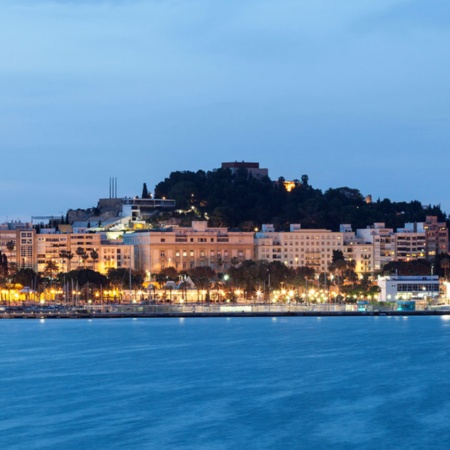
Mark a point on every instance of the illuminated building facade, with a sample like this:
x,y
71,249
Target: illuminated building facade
x,y
23,255
296,248
186,247
49,246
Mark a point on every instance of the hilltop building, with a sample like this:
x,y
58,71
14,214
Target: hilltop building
x,y
252,168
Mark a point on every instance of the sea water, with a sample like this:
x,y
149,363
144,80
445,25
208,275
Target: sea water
x,y
226,383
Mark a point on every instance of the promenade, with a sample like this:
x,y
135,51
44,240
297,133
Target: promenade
x,y
213,310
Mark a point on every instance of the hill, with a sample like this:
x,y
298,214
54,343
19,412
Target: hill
x,y
242,201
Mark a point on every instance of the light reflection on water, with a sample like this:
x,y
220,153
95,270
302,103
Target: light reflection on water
x,y
297,382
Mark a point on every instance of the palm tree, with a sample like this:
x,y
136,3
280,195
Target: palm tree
x,y
69,257
63,255
184,285
50,267
338,267
445,264
202,277
82,255
94,256
10,245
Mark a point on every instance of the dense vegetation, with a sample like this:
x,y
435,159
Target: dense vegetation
x,y
240,201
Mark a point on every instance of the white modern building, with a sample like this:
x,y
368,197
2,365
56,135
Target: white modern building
x,y
394,287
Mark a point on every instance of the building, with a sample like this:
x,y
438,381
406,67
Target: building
x,y
297,247
23,252
144,208
409,245
383,242
252,168
110,210
50,244
436,237
358,250
395,287
113,254
186,247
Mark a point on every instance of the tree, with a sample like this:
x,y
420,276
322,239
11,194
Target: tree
x,y
85,257
86,280
117,277
234,200
305,181
303,275
145,191
10,245
414,267
202,277
50,268
338,268
3,266
25,277
169,273
445,264
94,256
184,285
337,255
68,255
82,255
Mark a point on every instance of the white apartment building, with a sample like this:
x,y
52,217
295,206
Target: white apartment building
x,y
297,247
383,241
358,250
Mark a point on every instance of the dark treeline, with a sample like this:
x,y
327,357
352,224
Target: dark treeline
x,y
240,201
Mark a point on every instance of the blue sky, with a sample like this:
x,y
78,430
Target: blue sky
x,y
352,93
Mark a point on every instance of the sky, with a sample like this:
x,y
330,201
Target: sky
x,y
352,93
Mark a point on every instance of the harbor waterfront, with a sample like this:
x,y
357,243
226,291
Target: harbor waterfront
x,y
266,383
217,310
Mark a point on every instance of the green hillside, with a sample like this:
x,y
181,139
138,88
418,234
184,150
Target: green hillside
x,y
240,201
